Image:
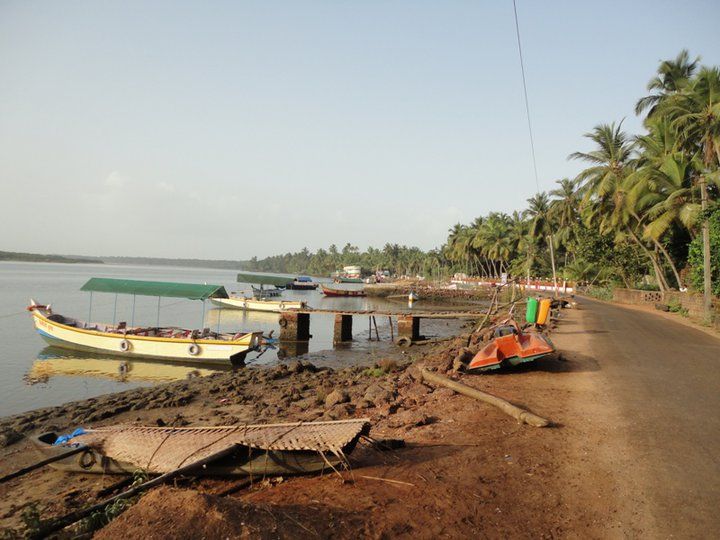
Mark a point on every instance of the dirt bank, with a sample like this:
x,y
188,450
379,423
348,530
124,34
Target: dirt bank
x,y
467,469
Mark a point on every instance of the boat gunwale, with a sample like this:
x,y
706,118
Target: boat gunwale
x,y
131,337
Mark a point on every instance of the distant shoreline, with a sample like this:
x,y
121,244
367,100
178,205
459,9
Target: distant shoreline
x,y
13,256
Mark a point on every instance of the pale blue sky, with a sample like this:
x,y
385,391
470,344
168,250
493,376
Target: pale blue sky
x,y
232,129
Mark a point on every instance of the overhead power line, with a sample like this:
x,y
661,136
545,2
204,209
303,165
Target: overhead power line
x,y
527,103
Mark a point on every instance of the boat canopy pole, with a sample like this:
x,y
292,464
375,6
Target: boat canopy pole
x,y
219,314
202,322
90,309
115,310
132,321
158,314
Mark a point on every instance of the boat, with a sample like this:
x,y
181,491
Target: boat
x,y
332,291
263,449
168,343
302,283
264,279
343,279
262,292
252,304
510,346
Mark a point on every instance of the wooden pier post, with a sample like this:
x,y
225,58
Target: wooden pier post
x,y
294,326
343,328
409,327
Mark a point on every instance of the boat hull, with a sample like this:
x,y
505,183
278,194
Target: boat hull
x,y
171,349
246,462
250,304
512,349
328,291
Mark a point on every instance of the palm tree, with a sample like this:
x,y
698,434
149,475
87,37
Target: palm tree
x,y
564,210
695,111
604,189
672,76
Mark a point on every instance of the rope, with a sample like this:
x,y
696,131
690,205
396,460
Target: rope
x,y
527,103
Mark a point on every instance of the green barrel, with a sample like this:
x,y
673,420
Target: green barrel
x,y
532,310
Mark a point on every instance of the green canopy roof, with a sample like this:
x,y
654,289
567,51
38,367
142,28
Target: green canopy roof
x,y
278,281
155,288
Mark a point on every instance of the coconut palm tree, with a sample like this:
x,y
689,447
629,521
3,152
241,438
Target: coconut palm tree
x,y
672,76
604,189
695,111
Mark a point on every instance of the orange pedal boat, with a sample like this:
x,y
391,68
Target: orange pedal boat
x,y
510,346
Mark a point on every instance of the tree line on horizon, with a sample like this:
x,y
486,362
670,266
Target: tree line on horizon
x,y
635,210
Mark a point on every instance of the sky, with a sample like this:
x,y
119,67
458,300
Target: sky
x,y
224,130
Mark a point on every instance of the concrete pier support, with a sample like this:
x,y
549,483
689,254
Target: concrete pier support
x,y
343,328
294,326
409,327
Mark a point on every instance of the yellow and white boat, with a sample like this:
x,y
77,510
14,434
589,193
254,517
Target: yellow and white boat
x,y
169,343
257,304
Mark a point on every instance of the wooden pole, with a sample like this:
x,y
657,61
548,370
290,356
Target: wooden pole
x,y
377,334
42,463
71,518
392,334
519,414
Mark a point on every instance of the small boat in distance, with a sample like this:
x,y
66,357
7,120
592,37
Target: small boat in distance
x,y
169,343
302,283
332,291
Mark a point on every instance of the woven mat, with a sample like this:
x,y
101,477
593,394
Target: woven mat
x,y
164,449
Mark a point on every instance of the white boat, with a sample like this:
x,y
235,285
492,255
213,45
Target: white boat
x,y
252,304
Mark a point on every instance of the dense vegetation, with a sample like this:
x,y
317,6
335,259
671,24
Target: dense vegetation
x,y
36,257
633,211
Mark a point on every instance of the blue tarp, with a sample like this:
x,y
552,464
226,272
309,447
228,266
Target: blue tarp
x,y
62,439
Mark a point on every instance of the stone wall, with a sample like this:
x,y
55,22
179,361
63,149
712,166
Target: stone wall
x,y
693,303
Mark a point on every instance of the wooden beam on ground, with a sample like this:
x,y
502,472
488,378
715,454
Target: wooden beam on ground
x,y
519,414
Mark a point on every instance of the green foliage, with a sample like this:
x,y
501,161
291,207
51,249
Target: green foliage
x,y
695,255
601,293
393,257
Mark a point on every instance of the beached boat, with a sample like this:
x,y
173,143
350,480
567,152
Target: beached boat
x,y
302,283
332,291
251,304
511,346
169,343
265,449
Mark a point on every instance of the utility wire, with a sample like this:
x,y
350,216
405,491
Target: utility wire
x,y
527,104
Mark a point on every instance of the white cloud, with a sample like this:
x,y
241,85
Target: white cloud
x,y
116,180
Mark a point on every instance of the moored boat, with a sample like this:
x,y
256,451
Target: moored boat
x,y
252,304
121,339
302,283
510,346
332,291
264,449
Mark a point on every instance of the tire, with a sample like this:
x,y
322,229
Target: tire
x,y
193,349
125,345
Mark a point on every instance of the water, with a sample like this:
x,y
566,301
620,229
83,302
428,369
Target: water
x,y
35,375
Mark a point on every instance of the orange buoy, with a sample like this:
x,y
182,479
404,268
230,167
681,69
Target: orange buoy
x,y
543,311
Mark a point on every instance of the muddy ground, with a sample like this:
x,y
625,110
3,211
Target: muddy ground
x,y
467,469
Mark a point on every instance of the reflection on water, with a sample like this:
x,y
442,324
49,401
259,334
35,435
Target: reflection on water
x,y
54,362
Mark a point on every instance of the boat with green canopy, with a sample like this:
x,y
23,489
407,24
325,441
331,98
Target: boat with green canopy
x,y
166,342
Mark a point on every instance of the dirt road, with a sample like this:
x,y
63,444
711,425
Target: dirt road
x,y
662,381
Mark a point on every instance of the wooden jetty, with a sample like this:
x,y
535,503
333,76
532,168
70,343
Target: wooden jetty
x,y
295,323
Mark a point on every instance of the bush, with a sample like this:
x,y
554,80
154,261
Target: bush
x,y
695,255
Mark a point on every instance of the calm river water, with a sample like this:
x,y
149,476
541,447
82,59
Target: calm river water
x,y
35,375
